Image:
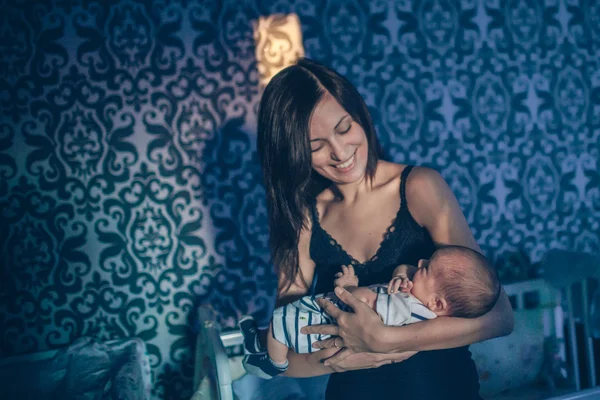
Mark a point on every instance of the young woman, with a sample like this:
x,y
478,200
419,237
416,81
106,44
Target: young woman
x,y
333,202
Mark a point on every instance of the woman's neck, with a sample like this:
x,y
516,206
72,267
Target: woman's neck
x,y
351,192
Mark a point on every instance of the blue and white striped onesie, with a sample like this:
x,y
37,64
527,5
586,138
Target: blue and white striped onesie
x,y
395,309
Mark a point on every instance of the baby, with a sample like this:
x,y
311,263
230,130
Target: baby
x,y
456,281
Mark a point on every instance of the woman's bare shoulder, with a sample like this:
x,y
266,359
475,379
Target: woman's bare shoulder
x,y
426,193
424,181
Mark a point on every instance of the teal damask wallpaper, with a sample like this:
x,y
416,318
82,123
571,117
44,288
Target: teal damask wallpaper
x,y
130,187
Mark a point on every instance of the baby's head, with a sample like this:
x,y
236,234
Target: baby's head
x,y
456,281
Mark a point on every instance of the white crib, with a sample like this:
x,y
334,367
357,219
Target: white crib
x,y
519,356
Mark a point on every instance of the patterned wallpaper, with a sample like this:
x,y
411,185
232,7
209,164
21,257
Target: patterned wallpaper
x,y
129,182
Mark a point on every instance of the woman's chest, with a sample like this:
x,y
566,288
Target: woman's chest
x,y
406,244
360,232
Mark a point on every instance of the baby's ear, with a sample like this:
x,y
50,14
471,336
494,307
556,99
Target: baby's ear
x,y
438,305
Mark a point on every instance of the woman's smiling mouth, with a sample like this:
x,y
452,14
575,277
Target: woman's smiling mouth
x,y
347,165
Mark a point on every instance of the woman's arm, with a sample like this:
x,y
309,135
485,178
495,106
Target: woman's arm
x,y
318,363
445,332
434,206
307,365
302,365
302,282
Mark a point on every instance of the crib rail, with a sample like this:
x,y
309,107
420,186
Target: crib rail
x,y
212,372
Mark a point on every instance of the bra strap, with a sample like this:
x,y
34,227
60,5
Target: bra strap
x,y
404,176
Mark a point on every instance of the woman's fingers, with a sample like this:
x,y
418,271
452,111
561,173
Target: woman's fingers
x,y
320,330
404,356
337,357
348,298
333,342
330,308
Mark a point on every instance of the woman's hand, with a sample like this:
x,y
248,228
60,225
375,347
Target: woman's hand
x,y
357,331
347,360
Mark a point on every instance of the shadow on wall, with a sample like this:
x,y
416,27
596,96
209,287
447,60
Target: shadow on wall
x,y
232,189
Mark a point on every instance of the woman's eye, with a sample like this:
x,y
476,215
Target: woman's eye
x,y
347,129
316,148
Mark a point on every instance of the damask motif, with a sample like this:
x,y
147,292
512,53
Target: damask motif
x,y
30,35
402,110
524,31
490,100
42,264
570,93
584,24
438,34
564,87
8,164
524,21
440,23
80,135
15,44
462,185
236,28
129,33
541,185
129,180
152,238
345,27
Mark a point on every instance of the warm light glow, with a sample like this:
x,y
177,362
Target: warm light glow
x,y
278,44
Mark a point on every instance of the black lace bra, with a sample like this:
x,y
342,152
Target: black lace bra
x,y
404,242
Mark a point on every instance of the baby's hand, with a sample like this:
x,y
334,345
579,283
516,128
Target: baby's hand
x,y
346,277
400,283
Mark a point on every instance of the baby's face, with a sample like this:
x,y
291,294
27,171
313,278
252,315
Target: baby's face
x,y
424,280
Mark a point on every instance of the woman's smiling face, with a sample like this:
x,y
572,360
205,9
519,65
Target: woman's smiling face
x,y
338,144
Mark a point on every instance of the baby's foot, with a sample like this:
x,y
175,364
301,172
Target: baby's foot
x,y
250,333
262,366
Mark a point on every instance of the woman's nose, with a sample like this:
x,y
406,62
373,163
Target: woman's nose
x,y
337,150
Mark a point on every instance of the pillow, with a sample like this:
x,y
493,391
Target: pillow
x,y
88,370
79,371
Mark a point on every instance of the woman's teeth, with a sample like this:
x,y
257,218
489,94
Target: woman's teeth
x,y
346,164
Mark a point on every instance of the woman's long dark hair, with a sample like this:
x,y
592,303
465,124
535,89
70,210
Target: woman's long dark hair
x,y
284,149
